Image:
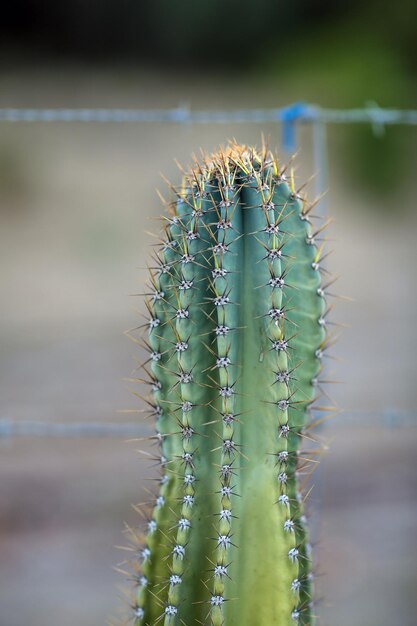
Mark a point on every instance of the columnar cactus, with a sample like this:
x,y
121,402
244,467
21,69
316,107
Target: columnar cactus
x,y
235,338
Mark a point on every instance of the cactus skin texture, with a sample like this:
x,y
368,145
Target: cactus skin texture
x,y
235,337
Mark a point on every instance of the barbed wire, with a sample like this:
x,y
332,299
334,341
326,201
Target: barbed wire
x,y
11,429
296,112
288,116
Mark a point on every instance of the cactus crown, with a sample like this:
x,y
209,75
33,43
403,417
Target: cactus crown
x,y
235,337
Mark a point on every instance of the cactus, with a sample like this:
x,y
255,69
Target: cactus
x,y
235,337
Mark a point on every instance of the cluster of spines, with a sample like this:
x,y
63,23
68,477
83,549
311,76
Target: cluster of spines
x,y
225,276
160,335
272,239
274,245
177,272
184,465
301,413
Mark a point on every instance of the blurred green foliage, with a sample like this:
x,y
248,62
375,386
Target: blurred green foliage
x,y
331,52
218,34
352,67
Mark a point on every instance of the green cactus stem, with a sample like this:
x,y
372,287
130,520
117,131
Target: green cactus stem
x,y
235,338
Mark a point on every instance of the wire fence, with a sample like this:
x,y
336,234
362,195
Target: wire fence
x,y
289,118
298,112
11,429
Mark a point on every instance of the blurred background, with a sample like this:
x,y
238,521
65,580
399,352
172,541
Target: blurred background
x,y
76,202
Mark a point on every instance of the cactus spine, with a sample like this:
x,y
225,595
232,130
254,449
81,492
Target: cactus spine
x,y
236,333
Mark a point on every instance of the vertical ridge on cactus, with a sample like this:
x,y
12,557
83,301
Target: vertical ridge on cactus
x,y
235,339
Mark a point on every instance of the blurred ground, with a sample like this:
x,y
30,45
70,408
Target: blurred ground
x,y
75,203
